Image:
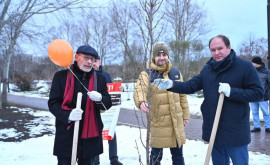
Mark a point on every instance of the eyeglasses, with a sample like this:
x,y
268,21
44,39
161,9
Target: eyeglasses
x,y
87,58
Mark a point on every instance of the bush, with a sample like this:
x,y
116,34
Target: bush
x,y
23,81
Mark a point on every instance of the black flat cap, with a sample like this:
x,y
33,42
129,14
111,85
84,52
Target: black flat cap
x,y
88,50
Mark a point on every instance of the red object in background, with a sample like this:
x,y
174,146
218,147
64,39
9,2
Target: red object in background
x,y
114,87
105,135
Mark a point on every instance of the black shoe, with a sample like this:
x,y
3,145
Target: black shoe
x,y
267,130
255,129
116,162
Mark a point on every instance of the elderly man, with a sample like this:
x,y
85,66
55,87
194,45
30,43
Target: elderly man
x,y
62,104
169,111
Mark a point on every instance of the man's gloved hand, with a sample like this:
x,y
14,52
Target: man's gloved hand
x,y
225,88
94,95
163,83
75,115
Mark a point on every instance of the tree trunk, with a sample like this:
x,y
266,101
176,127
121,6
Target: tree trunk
x,y
3,14
6,75
0,93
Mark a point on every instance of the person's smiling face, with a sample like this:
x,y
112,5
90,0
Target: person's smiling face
x,y
161,59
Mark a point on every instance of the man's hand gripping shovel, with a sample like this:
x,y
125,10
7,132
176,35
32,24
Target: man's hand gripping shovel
x,y
214,130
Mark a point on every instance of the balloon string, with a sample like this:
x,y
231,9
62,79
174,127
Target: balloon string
x,y
78,79
84,86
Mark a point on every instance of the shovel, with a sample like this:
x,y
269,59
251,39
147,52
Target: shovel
x,y
76,131
214,129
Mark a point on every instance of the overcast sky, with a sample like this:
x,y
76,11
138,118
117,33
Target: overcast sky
x,y
237,19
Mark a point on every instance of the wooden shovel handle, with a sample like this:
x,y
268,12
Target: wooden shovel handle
x,y
76,131
214,129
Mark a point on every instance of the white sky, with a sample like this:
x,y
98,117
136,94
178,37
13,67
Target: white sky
x,y
237,19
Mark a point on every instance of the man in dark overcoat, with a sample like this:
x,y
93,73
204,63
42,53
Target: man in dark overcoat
x,y
238,80
66,84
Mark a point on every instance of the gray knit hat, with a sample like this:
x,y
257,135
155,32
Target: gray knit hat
x,y
160,48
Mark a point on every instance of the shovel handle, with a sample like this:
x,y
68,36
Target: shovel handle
x,y
214,129
76,131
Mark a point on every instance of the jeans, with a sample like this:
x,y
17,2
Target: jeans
x,y
221,155
112,151
255,112
177,156
67,161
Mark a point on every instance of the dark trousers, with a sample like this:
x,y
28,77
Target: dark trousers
x,y
80,161
221,155
112,151
177,156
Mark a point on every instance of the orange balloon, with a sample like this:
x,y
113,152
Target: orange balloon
x,y
60,52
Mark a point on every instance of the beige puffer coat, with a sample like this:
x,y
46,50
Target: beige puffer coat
x,y
168,110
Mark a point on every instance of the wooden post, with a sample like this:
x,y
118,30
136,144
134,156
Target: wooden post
x,y
76,131
214,129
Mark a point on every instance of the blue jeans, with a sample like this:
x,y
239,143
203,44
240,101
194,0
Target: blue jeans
x,y
112,151
177,156
221,155
255,112
67,161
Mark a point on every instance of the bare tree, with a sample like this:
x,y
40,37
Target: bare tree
x,y
147,24
124,35
3,20
253,46
0,93
21,13
188,21
2,23
100,30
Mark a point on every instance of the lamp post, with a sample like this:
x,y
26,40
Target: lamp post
x,y
268,30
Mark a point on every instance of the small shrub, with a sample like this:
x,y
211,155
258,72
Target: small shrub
x,y
23,82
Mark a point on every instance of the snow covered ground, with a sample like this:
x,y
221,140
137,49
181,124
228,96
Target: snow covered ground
x,y
38,150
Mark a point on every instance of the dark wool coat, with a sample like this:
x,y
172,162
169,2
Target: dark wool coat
x,y
105,74
234,126
264,75
63,136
